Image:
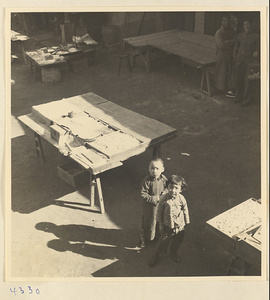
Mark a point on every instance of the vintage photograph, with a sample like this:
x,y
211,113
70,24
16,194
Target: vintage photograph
x,y
135,141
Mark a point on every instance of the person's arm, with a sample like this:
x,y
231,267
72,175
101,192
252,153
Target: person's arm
x,y
145,193
236,47
164,184
160,213
257,47
223,44
185,210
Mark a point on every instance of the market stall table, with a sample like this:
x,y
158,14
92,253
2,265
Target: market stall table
x,y
95,133
53,57
197,50
239,229
44,58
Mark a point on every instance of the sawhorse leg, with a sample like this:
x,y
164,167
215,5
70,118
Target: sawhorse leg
x,y
146,59
95,183
126,57
92,189
206,77
132,56
39,148
21,46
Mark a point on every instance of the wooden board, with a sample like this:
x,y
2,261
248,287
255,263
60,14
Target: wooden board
x,y
145,128
238,219
197,48
145,40
140,132
116,145
196,53
139,126
38,58
199,39
43,131
84,126
52,111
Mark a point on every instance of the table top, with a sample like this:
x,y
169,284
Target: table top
x,y
198,48
101,134
45,59
16,36
58,54
240,223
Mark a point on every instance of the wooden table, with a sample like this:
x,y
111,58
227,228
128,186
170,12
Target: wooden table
x,y
197,50
105,151
54,56
19,39
239,230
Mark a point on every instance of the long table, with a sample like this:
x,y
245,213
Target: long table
x,y
239,230
120,134
197,50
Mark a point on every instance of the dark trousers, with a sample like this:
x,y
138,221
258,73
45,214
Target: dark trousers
x,y
241,86
246,88
170,241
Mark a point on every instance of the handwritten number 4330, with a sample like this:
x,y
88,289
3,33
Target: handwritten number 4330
x,y
21,291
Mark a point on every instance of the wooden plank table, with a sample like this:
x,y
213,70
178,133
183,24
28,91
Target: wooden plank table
x,y
239,230
59,55
197,50
106,150
37,59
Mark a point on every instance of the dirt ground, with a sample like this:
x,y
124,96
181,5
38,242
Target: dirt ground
x,y
217,150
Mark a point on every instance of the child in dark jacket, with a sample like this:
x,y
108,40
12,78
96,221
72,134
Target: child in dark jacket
x,y
152,187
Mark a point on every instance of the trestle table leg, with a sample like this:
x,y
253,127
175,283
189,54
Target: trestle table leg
x,y
95,183
100,196
39,148
92,189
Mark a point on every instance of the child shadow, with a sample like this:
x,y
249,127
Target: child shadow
x,y
82,233
98,252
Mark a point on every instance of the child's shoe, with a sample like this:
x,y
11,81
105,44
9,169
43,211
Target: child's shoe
x,y
154,259
142,245
230,94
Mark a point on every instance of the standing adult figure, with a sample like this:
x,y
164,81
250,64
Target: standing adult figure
x,y
225,38
246,52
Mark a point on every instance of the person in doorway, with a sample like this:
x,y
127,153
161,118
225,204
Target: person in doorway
x,y
172,217
224,75
246,53
152,187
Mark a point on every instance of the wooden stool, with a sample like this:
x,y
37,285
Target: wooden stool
x,y
126,57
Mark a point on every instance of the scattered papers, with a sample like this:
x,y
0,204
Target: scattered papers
x,y
88,40
84,39
185,154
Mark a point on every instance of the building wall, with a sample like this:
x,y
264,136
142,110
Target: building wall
x,y
139,23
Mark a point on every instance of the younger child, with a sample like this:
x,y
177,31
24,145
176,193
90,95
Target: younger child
x,y
152,187
172,216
